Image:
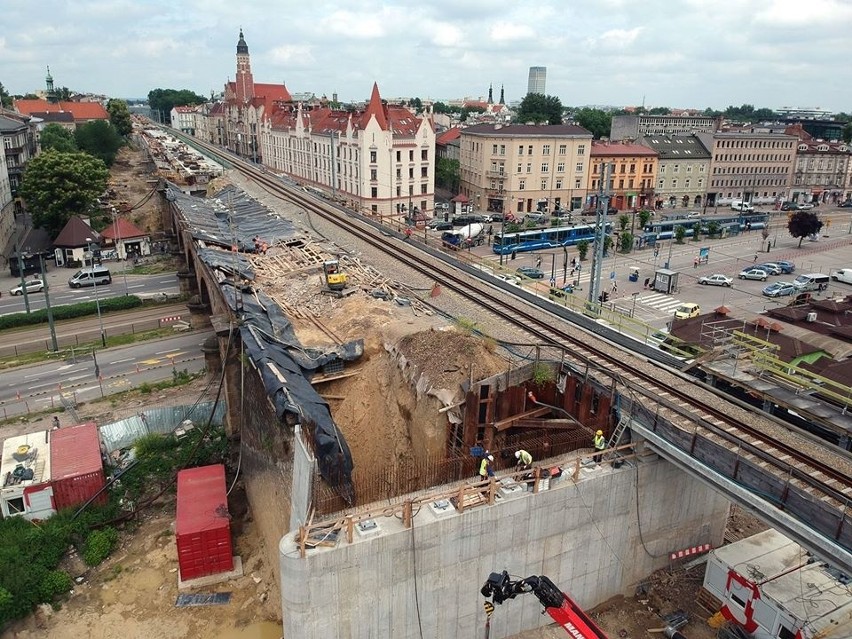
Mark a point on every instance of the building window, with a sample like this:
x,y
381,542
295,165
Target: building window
x,y
686,183
581,149
423,188
399,156
563,149
558,184
372,157
522,185
520,149
675,168
374,192
689,168
502,149
545,149
662,168
544,185
577,183
424,171
623,168
621,183
630,183
545,167
520,167
660,184
579,168
529,150
633,168
494,149
411,156
560,167
411,173
674,183
529,167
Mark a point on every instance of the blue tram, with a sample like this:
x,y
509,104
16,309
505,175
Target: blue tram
x,y
729,224
538,239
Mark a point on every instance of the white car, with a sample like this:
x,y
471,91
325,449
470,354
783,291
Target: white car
x,y
753,274
717,279
33,286
842,275
510,279
807,206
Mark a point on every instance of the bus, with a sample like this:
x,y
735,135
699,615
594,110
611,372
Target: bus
x,y
538,239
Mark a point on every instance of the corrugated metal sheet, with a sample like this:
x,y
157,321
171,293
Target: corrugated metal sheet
x,y
75,451
202,526
162,419
78,490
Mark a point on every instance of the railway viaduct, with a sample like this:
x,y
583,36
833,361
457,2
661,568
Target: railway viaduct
x,y
414,569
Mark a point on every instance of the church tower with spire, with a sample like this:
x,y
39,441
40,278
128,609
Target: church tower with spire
x,y
502,95
490,94
51,92
244,85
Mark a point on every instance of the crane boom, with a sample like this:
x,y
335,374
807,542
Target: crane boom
x,y
561,608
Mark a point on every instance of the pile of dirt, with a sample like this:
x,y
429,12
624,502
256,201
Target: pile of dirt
x,y
131,183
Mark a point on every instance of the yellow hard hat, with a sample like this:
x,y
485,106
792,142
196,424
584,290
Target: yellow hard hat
x,y
600,432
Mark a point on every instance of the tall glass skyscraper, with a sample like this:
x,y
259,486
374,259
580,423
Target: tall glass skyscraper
x,y
538,75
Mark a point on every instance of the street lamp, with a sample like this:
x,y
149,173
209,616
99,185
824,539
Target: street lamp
x,y
118,249
95,284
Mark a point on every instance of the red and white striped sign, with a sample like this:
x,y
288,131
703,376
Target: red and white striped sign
x,y
173,318
689,552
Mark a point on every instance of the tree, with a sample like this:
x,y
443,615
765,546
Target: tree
x,y
538,108
164,100
100,139
58,185
583,249
644,218
679,233
57,138
625,240
447,174
803,224
598,122
623,221
119,117
847,133
713,228
659,111
5,98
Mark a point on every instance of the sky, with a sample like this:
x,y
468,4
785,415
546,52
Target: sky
x,y
670,53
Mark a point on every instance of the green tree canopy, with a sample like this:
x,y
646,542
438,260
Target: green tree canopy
x,y
802,224
598,122
100,139
447,174
119,117
659,111
5,98
58,185
57,138
164,100
538,108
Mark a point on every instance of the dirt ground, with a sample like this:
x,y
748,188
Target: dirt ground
x,y
133,593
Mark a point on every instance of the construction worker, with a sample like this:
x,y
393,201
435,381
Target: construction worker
x,y
600,446
524,460
486,468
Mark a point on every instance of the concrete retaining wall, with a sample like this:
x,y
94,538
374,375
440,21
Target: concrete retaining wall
x,y
595,538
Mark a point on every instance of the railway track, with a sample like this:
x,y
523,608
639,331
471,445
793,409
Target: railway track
x,y
825,476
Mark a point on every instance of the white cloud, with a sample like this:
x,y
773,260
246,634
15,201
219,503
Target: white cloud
x,y
509,32
291,54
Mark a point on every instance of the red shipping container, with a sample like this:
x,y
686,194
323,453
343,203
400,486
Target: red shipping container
x,y
76,468
203,526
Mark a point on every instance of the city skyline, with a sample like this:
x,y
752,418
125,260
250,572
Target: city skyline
x,y
767,53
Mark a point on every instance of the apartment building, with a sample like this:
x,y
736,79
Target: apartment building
x,y
631,127
521,168
632,175
682,169
754,167
823,169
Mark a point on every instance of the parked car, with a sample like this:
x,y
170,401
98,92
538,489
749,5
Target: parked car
x,y
770,267
789,206
440,225
779,289
33,286
510,279
807,206
530,272
842,275
685,311
786,267
846,204
717,279
753,274
692,215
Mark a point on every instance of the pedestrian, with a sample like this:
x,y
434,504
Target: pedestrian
x,y
614,287
552,282
524,460
538,262
695,263
55,422
647,281
754,261
486,467
573,263
600,445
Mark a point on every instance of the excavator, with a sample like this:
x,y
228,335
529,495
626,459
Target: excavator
x,y
335,279
562,609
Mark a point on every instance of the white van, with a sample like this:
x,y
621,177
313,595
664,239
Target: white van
x,y
811,282
739,205
94,276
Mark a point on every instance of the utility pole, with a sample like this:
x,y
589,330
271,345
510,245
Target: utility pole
x,y
600,233
50,323
23,281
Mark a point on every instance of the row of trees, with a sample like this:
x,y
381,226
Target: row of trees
x,y
72,171
164,100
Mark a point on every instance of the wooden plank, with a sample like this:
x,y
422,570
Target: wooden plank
x,y
503,424
331,378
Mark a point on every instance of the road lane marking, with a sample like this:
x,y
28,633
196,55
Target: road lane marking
x,y
126,359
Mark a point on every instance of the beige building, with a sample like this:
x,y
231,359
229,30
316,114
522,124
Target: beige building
x,y
521,168
682,170
631,127
380,161
754,167
631,178
822,170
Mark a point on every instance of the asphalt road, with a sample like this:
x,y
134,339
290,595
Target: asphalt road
x,y
81,378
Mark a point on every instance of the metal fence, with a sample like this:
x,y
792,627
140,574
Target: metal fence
x,y
68,343
160,419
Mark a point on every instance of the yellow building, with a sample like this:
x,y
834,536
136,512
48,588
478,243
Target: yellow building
x,y
520,168
632,177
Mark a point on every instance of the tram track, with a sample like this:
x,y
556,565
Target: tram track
x,y
682,401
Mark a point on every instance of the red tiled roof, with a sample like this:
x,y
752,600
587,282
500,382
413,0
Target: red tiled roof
x,y
81,110
266,93
185,109
74,233
448,136
604,149
124,229
376,109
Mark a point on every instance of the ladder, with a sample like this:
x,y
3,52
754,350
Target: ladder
x,y
615,438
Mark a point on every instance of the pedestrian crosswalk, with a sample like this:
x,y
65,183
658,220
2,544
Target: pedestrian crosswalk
x,y
659,301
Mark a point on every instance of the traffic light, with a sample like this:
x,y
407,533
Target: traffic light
x,y
603,297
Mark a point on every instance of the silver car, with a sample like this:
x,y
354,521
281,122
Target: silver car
x,y
754,274
717,279
33,286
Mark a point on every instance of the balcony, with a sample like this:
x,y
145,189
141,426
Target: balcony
x,y
496,174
